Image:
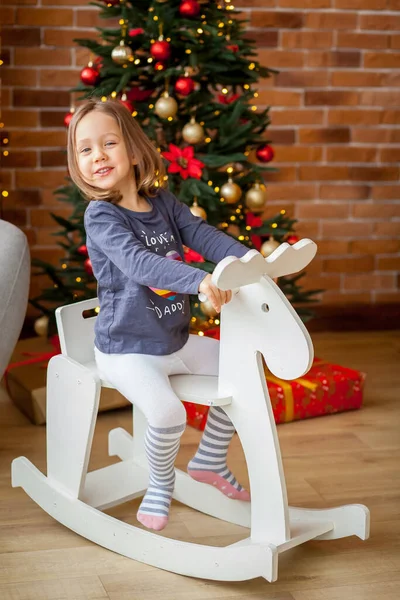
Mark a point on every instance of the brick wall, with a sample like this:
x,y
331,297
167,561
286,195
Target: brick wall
x,y
335,127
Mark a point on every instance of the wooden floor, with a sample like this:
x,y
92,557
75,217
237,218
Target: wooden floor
x,y
347,458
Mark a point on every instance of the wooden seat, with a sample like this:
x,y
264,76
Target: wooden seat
x,y
201,389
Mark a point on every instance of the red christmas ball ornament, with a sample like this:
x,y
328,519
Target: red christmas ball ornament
x,y
111,2
88,266
159,66
184,86
265,153
67,118
189,8
292,239
233,48
160,50
90,75
82,250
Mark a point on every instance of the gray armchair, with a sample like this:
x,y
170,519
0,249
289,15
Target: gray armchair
x,y
14,288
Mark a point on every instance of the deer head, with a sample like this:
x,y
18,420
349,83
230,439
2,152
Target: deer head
x,y
232,273
260,317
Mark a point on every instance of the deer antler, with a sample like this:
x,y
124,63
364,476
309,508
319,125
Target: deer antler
x,y
233,272
287,259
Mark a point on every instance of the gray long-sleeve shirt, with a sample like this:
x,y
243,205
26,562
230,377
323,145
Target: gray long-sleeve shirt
x,y
143,282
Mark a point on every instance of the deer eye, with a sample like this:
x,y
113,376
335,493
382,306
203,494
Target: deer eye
x,y
265,307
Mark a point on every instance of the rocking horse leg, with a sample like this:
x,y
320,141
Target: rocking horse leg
x,y
72,403
255,425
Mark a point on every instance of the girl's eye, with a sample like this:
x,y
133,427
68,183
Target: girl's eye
x,y
85,150
110,143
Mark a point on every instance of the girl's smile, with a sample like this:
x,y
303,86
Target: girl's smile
x,y
104,171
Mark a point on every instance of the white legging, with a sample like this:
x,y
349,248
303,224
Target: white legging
x,y
144,378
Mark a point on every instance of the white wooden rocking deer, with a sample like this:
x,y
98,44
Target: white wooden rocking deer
x,y
258,321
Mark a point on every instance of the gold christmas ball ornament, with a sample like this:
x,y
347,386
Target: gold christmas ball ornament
x,y
197,211
121,54
207,309
41,325
231,192
255,198
166,106
269,246
193,133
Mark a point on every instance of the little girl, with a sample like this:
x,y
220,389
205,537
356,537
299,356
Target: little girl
x,y
135,236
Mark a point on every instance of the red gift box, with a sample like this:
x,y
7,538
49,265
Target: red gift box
x,y
326,389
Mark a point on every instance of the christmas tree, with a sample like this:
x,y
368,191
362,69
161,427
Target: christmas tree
x,y
187,72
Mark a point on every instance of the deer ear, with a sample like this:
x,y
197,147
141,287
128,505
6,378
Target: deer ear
x,y
234,272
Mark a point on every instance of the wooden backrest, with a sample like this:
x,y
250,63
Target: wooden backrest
x,y
76,329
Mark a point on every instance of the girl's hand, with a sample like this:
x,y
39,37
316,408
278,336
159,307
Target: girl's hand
x,y
216,296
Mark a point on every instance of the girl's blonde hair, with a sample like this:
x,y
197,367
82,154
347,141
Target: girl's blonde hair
x,y
148,172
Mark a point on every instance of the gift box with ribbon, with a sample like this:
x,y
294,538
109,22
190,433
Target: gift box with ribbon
x,y
326,389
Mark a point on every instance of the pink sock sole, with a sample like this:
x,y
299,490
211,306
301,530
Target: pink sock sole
x,y
220,483
151,521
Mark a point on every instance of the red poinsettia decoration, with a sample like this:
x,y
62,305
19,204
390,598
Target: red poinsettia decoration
x,y
253,221
135,32
225,99
192,255
183,162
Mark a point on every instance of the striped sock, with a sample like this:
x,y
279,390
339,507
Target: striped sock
x,y
209,463
161,445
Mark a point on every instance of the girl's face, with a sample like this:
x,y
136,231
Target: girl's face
x,y
102,157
